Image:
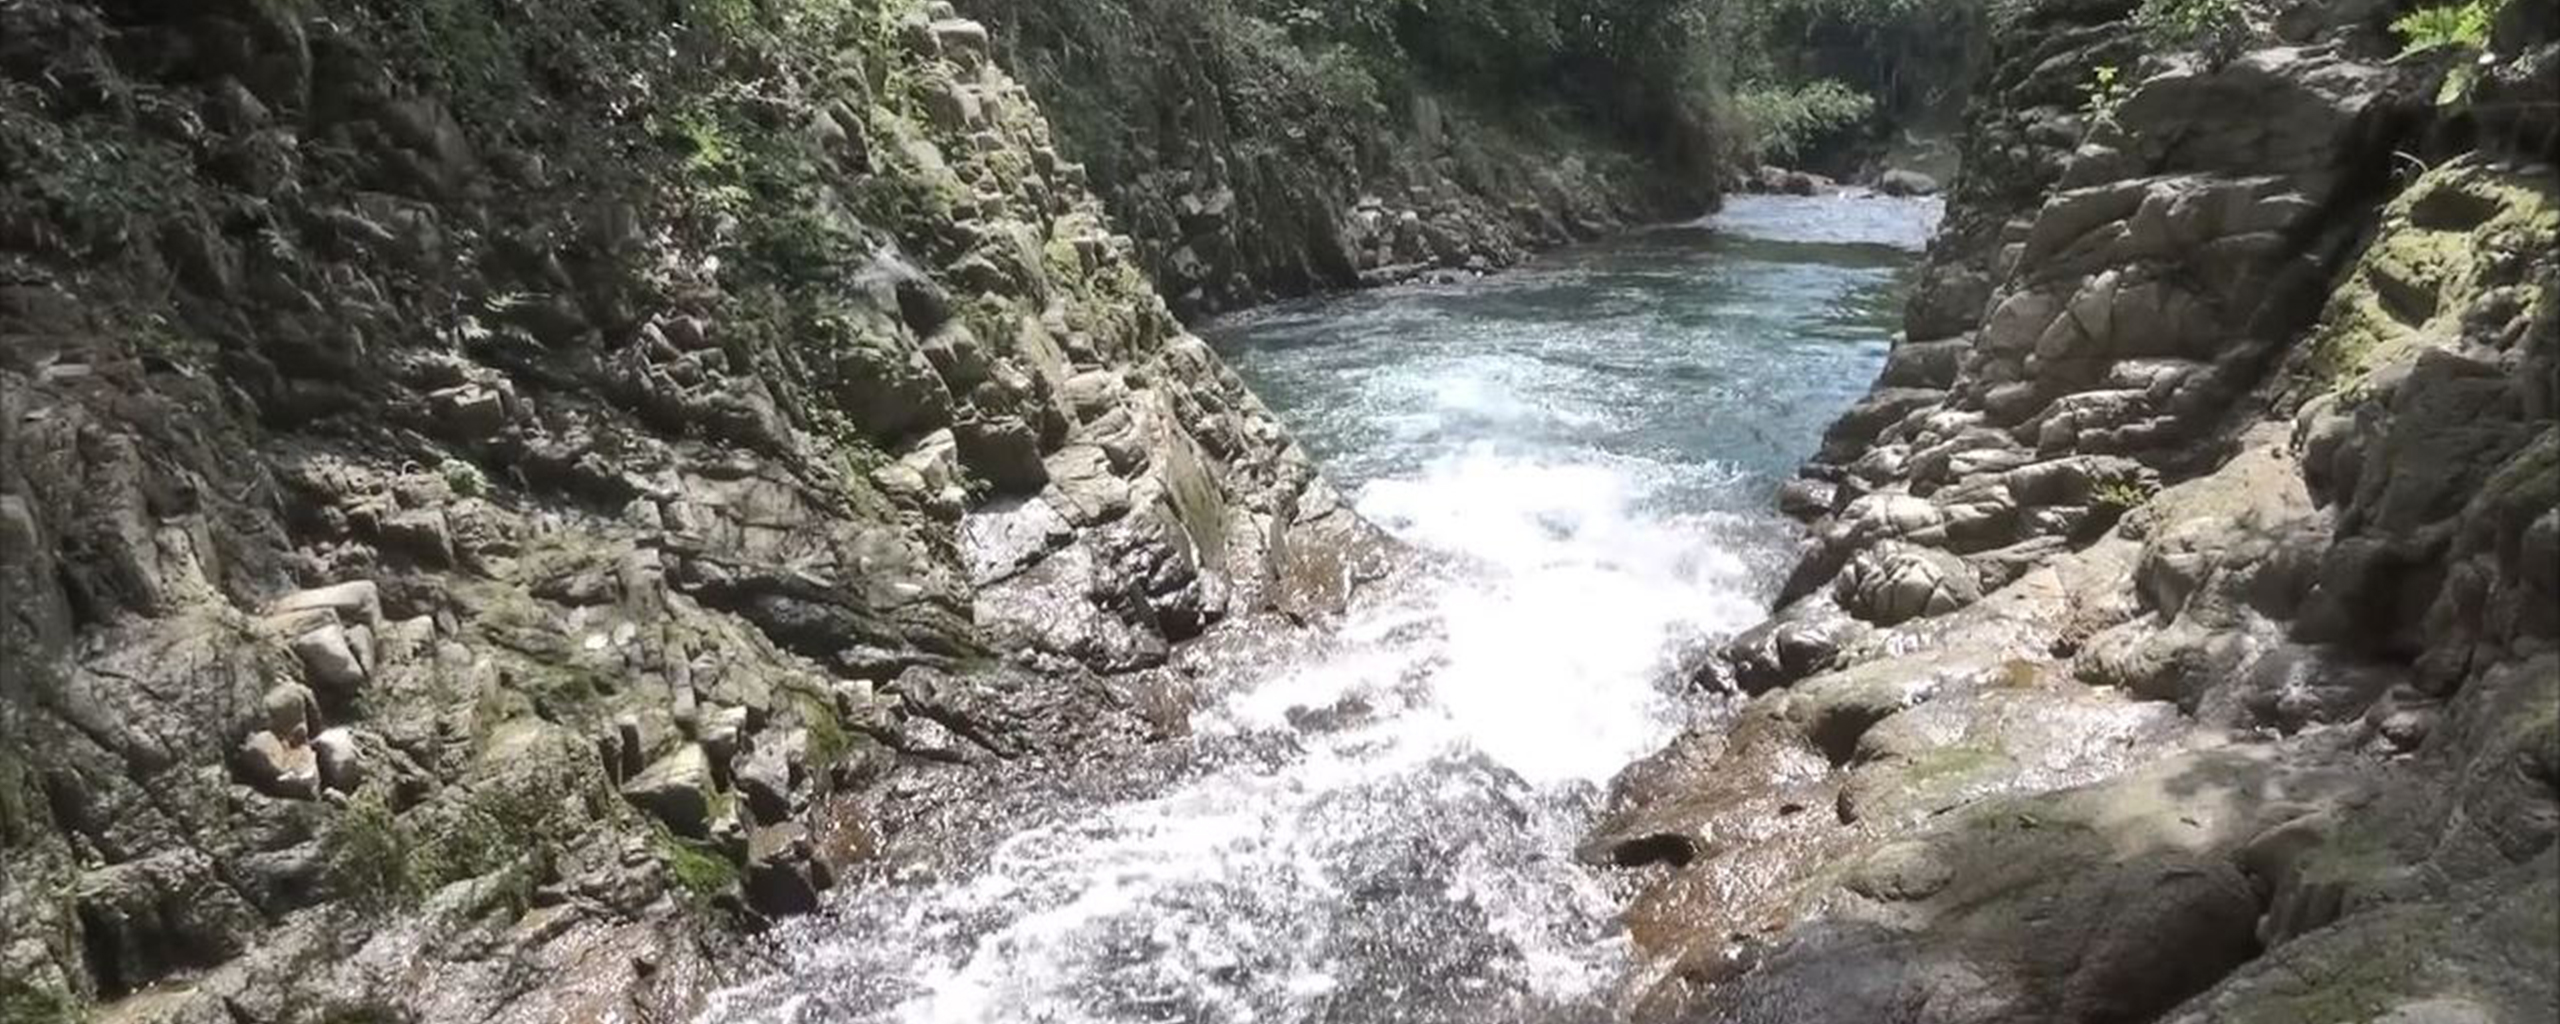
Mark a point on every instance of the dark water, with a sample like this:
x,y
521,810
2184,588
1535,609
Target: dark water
x,y
1590,441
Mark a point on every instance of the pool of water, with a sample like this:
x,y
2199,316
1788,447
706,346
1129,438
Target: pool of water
x,y
1376,825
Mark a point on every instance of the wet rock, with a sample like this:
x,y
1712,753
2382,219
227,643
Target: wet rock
x,y
781,875
1901,182
1806,500
1003,452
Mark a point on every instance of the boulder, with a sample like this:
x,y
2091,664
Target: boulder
x,y
1893,582
341,759
279,769
1901,182
677,790
329,660
359,601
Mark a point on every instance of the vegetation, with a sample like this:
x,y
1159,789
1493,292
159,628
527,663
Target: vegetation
x,y
2107,90
2119,495
384,858
696,868
2463,30
2219,29
1705,83
1786,121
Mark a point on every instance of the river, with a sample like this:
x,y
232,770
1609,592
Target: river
x,y
1378,829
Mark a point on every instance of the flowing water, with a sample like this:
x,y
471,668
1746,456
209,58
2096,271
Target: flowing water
x,y
1376,825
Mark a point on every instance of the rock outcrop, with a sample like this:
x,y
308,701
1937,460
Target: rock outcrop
x,y
484,487
2178,637
1248,167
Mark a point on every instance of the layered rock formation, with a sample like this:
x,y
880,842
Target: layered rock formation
x,y
1245,173
484,487
2176,638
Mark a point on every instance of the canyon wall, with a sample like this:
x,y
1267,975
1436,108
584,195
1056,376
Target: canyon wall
x,y
1261,150
487,489
2175,639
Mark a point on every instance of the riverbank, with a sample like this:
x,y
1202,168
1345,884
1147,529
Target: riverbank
x,y
1368,819
492,499
2176,639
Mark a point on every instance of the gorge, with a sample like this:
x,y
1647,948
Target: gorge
x,y
746,511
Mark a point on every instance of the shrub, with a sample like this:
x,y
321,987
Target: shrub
x,y
1784,121
2219,29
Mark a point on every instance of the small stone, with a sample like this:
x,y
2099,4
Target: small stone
x,y
471,412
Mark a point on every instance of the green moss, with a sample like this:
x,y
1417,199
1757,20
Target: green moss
x,y
387,859
828,740
23,1003
368,851
2420,275
1955,762
695,867
20,801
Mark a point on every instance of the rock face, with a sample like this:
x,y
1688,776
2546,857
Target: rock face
x,y
473,506
1243,173
2178,637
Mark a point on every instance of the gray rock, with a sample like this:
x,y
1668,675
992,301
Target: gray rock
x,y
356,602
1901,182
677,790
1893,583
276,768
341,761
329,661
291,711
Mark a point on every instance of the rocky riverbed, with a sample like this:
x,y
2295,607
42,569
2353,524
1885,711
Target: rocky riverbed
x,y
621,510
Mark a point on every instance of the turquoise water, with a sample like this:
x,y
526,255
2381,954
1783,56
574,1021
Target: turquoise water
x,y
1373,822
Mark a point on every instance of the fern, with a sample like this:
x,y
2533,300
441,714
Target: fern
x,y
2461,28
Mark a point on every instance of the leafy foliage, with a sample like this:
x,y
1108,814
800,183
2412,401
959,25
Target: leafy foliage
x,y
2219,29
2105,93
1786,120
2462,28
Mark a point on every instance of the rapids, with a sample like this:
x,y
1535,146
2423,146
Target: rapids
x,y
1376,825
